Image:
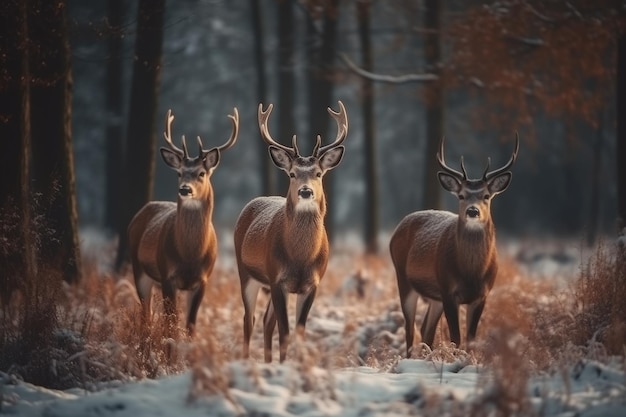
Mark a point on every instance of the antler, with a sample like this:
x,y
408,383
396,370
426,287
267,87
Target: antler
x,y
341,118
233,136
488,175
263,117
167,134
441,159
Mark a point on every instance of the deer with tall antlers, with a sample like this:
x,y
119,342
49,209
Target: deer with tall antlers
x,y
174,244
281,242
450,259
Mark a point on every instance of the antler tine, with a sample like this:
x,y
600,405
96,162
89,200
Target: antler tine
x,y
463,170
445,167
294,145
186,152
234,134
201,150
496,172
263,117
167,134
318,142
341,117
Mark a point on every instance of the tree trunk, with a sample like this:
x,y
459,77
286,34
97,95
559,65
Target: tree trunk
x,y
140,135
321,54
367,88
596,184
621,133
434,104
52,152
17,254
268,173
114,102
286,82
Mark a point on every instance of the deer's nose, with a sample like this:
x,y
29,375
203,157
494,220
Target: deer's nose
x,y
185,190
472,212
305,192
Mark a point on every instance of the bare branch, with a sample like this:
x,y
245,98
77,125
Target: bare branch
x,y
392,79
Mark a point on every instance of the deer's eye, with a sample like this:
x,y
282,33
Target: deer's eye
x,y
292,175
319,175
486,197
202,174
461,197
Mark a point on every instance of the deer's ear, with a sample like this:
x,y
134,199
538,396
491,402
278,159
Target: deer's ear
x,y
280,157
332,158
499,183
211,159
171,158
449,182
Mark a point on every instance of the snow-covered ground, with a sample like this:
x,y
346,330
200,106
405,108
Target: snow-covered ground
x,y
412,387
352,362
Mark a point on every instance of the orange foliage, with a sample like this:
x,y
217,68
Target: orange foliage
x,y
528,54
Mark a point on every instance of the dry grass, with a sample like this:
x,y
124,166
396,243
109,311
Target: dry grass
x,y
91,332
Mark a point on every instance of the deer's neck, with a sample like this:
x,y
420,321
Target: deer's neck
x,y
475,247
304,232
192,226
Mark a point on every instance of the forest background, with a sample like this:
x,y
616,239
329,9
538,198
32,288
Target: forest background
x,y
86,86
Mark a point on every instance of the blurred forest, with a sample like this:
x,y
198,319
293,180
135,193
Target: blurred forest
x,y
408,72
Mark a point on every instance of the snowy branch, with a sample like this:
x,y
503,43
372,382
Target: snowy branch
x,y
392,79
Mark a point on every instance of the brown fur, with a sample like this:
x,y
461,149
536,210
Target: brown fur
x,y
449,259
174,244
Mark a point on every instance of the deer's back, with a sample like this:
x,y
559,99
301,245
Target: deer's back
x,y
414,246
146,230
253,226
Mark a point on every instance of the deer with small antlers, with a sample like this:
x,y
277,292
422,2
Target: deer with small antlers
x,y
450,259
174,244
281,242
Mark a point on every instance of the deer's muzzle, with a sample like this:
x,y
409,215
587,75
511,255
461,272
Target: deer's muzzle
x,y
472,212
305,192
185,191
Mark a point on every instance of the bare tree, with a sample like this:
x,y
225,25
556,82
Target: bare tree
x,y
268,175
621,132
286,78
114,101
434,103
52,153
371,225
321,51
138,164
17,251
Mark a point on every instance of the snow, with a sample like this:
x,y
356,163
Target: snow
x,y
352,362
587,389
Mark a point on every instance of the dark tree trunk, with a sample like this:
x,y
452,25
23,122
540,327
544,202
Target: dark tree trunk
x,y
114,102
140,134
268,173
596,184
52,153
621,132
286,82
17,252
321,48
434,104
367,88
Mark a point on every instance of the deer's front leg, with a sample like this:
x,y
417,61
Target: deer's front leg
x,y
303,306
169,302
194,301
269,324
474,312
279,301
451,311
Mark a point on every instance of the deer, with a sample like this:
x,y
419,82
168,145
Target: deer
x,y
174,244
281,243
450,259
